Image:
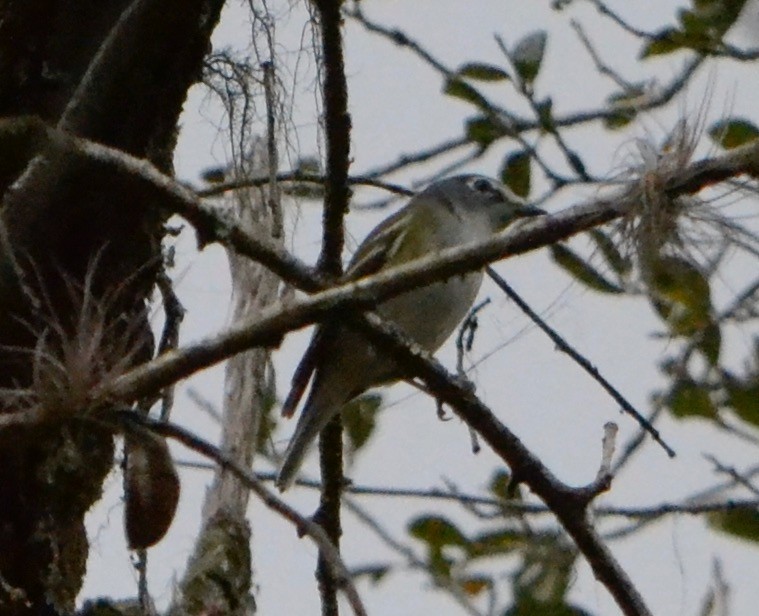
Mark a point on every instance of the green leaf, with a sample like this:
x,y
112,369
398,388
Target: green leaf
x,y
308,164
359,419
530,606
681,295
619,264
306,190
664,42
436,531
733,132
545,115
545,572
501,484
527,55
495,543
460,89
743,396
619,118
622,107
375,573
709,342
688,399
740,523
711,18
691,22
483,131
515,173
581,270
703,28
483,72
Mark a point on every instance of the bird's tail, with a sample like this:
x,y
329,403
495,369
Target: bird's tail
x,y
322,405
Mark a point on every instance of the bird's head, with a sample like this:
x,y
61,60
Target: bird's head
x,y
480,196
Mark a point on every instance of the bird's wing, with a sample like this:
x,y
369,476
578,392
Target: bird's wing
x,y
373,254
390,243
378,247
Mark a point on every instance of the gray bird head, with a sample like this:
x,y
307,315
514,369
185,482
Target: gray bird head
x,y
478,195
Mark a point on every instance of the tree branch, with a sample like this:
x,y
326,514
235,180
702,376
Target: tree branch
x,y
580,360
337,123
268,498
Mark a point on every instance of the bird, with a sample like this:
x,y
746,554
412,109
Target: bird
x,y
448,213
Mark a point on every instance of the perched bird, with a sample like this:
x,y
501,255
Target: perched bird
x,y
448,213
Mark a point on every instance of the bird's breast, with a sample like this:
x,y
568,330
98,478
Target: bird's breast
x,y
429,315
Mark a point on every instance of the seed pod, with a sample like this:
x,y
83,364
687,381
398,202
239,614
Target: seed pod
x,y
151,489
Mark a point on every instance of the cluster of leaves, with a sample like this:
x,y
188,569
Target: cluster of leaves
x,y
680,292
701,28
537,564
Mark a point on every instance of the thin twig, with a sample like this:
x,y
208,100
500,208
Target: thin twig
x,y
663,95
274,196
298,176
600,64
634,443
573,159
422,156
443,582
622,23
174,314
143,593
579,359
568,504
733,473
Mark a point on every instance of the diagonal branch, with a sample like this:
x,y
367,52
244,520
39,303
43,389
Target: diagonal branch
x,y
569,505
271,324
580,360
251,482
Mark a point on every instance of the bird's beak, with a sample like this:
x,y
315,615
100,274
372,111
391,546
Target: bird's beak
x,y
529,210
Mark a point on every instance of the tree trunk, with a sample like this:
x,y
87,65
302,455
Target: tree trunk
x,y
128,66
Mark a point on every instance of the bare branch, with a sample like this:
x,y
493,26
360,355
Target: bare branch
x,y
299,176
516,124
732,472
337,123
579,359
568,504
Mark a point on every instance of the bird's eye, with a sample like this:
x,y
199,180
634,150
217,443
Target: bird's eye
x,y
482,185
